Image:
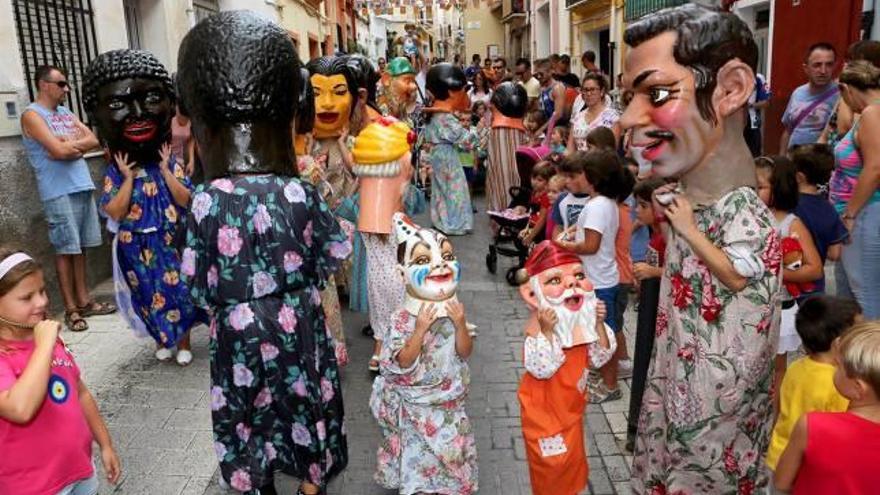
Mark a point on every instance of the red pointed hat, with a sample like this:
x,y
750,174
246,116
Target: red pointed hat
x,y
547,255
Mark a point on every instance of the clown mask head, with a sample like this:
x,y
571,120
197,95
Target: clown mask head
x,y
427,261
556,280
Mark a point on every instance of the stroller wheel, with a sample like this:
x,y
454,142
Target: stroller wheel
x,y
511,276
492,262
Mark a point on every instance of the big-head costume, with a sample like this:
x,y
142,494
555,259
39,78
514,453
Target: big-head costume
x,y
427,441
450,199
260,246
552,393
509,104
707,411
129,95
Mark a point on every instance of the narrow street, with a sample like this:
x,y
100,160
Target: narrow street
x,y
159,413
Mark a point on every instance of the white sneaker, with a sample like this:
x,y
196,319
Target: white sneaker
x,y
184,357
163,354
625,368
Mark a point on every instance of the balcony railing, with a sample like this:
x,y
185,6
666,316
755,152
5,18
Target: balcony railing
x,y
636,9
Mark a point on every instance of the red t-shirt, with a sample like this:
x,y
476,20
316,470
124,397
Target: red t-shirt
x,y
539,201
842,455
55,448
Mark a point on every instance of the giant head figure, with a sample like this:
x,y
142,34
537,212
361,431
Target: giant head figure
x,y
448,85
239,80
129,95
403,88
555,279
428,264
691,70
336,88
509,105
305,114
382,162
367,109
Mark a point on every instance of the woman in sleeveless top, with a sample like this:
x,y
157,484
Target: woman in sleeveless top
x,y
855,185
597,113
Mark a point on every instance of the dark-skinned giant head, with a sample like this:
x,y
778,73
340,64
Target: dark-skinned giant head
x,y
129,96
239,79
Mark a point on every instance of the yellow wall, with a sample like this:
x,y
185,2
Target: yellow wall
x,y
489,32
302,20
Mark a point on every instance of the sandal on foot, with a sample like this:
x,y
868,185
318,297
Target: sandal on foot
x,y
74,320
94,308
374,362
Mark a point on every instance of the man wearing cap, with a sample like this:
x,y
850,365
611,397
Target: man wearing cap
x,y
565,337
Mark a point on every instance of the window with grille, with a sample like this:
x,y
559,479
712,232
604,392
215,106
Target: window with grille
x,y
204,8
59,33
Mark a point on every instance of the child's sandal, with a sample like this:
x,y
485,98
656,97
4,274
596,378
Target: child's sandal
x,y
374,362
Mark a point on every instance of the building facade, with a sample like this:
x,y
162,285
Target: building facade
x,y
483,30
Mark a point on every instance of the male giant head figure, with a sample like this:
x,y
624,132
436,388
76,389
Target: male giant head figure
x,y
239,81
448,85
555,279
691,70
129,95
509,105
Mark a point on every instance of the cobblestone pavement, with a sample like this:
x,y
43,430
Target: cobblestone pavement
x,y
159,413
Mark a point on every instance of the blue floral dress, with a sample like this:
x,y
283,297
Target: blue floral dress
x,y
157,302
259,249
451,210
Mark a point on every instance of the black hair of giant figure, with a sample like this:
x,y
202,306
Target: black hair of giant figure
x,y
128,94
444,77
239,77
707,38
305,114
511,100
368,77
331,66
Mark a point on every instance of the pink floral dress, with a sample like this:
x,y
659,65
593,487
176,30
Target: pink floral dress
x,y
707,412
427,440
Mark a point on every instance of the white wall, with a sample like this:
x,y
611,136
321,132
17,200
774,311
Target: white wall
x,y
265,7
379,41
110,25
541,32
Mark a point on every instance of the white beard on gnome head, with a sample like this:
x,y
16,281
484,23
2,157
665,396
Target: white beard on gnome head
x,y
575,312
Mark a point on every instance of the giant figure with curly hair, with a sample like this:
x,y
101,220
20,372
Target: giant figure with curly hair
x,y
128,93
261,244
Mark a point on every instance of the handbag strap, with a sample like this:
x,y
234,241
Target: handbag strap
x,y
807,111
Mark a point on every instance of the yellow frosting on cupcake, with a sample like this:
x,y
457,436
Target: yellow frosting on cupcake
x,y
382,141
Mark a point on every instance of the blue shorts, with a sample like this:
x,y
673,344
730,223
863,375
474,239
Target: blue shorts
x,y
88,486
609,297
73,222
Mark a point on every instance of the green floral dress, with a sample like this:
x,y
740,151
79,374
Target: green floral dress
x,y
259,250
707,411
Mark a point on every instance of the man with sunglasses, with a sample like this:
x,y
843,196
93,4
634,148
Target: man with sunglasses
x,y
55,141
522,73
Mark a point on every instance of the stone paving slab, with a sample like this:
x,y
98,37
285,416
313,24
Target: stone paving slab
x,y
159,415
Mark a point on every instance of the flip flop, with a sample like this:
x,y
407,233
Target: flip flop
x,y
374,359
94,308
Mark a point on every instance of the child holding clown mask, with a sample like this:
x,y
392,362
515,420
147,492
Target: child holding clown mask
x,y
418,399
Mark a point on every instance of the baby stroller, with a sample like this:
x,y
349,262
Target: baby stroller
x,y
506,241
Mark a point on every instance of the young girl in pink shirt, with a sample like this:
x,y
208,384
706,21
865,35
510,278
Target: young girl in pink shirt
x,y
46,438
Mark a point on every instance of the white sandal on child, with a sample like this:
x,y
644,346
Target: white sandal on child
x,y
374,359
163,354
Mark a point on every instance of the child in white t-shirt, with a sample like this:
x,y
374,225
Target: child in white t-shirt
x,y
598,174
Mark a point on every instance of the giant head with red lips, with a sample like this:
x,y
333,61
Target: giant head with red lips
x,y
554,278
428,265
129,95
690,71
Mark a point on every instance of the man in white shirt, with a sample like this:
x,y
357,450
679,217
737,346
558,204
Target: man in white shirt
x,y
522,72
